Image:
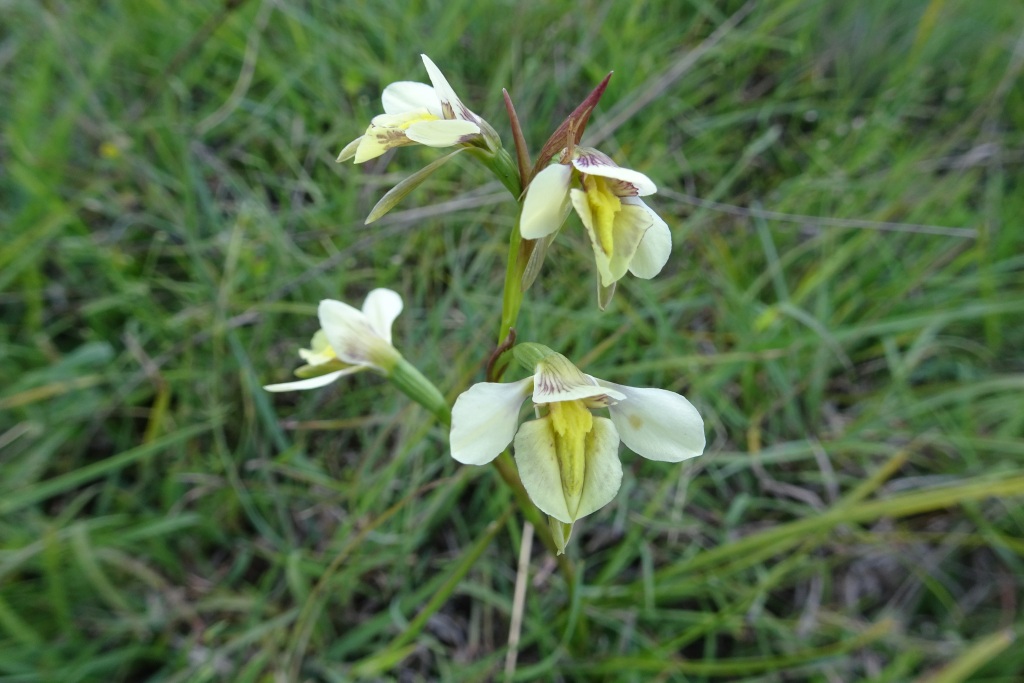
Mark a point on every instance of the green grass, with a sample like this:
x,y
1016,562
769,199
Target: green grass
x,y
844,184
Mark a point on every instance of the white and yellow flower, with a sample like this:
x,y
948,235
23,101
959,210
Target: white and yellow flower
x,y
568,457
349,341
625,233
417,113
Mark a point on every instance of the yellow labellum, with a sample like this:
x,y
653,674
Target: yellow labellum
x,y
571,422
392,131
604,205
420,116
320,350
387,131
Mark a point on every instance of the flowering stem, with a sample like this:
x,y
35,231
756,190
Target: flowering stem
x,y
509,172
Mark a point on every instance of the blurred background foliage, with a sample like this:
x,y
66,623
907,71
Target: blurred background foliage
x,y
844,185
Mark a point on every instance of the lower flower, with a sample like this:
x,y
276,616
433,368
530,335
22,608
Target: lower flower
x,y
351,340
568,457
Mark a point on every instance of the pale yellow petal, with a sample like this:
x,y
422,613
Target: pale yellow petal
x,y
546,204
538,468
603,470
614,245
655,247
442,133
319,351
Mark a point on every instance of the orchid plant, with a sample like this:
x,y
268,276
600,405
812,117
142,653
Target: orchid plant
x,y
566,459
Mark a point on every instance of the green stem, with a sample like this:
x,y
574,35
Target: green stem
x,y
512,297
519,252
502,166
413,384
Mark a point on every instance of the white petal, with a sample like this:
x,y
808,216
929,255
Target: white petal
x,y
631,224
603,471
405,96
657,424
381,308
441,132
349,332
655,247
311,383
538,468
484,420
557,379
595,165
451,105
546,203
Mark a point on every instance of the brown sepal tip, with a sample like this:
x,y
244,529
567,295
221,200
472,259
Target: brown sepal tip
x,y
570,131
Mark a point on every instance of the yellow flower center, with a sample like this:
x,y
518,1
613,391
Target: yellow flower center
x,y
416,117
319,351
387,131
604,205
571,423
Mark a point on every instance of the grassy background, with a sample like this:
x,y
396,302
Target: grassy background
x,y
843,305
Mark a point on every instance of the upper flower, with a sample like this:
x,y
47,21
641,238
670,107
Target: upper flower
x,y
624,232
568,458
418,113
349,341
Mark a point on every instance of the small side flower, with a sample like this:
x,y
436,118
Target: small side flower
x,y
349,341
352,340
